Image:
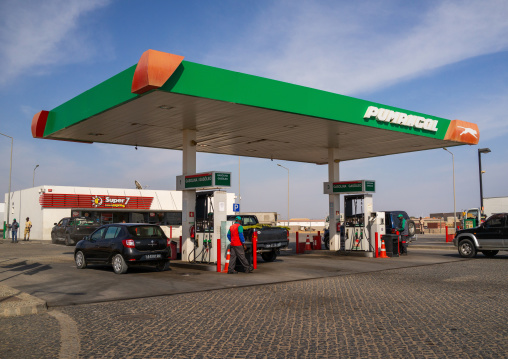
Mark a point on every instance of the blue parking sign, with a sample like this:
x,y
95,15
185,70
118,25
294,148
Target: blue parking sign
x,y
236,207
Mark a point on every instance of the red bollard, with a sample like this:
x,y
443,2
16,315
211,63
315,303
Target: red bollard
x,y
297,243
170,231
376,236
255,250
218,256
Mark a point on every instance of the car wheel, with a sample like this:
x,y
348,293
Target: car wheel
x,y
119,265
80,260
411,228
162,266
269,256
490,254
467,249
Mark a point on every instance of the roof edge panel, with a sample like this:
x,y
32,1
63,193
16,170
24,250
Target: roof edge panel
x,y
463,132
154,68
39,124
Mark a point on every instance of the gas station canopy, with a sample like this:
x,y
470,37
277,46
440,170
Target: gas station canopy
x,y
150,104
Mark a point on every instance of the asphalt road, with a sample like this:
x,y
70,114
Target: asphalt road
x,y
430,304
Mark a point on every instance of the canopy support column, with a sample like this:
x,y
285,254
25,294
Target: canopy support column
x,y
334,199
188,196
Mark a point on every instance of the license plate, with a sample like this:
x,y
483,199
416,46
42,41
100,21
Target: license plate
x,y
153,256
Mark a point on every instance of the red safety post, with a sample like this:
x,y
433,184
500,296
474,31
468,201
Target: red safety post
x,y
398,240
218,256
376,236
449,237
180,244
255,250
170,231
297,246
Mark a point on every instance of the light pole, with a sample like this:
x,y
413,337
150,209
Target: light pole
x,y
288,187
480,151
33,181
10,175
454,202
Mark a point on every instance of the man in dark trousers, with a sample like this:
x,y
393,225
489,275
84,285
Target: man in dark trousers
x,y
235,236
404,233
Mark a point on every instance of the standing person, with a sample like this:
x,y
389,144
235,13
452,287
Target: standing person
x,y
421,225
14,229
404,232
235,236
28,226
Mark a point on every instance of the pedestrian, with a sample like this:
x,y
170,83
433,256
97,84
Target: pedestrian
x,y
28,226
421,225
235,236
404,233
14,229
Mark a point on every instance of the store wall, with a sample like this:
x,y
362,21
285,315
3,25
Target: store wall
x,y
26,203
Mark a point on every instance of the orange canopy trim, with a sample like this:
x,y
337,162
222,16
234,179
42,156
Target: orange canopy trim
x,y
39,124
464,132
153,70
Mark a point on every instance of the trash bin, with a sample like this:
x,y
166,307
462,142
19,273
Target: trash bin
x,y
395,246
391,244
173,250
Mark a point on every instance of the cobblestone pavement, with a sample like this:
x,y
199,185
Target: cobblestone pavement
x,y
453,310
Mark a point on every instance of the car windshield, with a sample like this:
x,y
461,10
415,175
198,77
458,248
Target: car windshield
x,y
83,221
146,232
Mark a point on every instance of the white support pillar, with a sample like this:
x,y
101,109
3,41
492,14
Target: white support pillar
x,y
188,196
334,199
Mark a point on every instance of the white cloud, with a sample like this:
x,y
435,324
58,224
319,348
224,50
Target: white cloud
x,y
37,34
366,46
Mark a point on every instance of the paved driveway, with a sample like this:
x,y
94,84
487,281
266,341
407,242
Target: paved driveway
x,y
47,271
430,304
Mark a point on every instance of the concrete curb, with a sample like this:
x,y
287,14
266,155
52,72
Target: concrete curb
x,y
15,303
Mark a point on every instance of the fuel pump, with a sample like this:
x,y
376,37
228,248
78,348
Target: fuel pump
x,y
377,225
210,212
357,212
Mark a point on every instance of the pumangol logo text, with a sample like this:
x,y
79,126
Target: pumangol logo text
x,y
400,118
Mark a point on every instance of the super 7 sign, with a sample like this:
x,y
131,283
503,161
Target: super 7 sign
x,y
205,180
360,186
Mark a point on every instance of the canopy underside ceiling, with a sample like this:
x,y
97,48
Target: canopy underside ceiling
x,y
158,118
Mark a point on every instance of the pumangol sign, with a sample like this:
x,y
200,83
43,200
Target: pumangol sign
x,y
206,180
360,186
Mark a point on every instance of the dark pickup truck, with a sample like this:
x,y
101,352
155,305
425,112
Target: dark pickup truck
x,y
71,230
270,239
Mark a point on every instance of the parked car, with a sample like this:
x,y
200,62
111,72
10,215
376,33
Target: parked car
x,y
124,245
489,237
70,230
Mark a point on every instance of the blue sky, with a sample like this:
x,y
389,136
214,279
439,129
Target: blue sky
x,y
443,58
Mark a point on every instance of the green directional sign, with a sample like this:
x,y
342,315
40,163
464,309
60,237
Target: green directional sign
x,y
360,186
204,180
223,179
370,186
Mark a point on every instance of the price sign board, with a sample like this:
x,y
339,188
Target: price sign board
x,y
359,186
206,180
